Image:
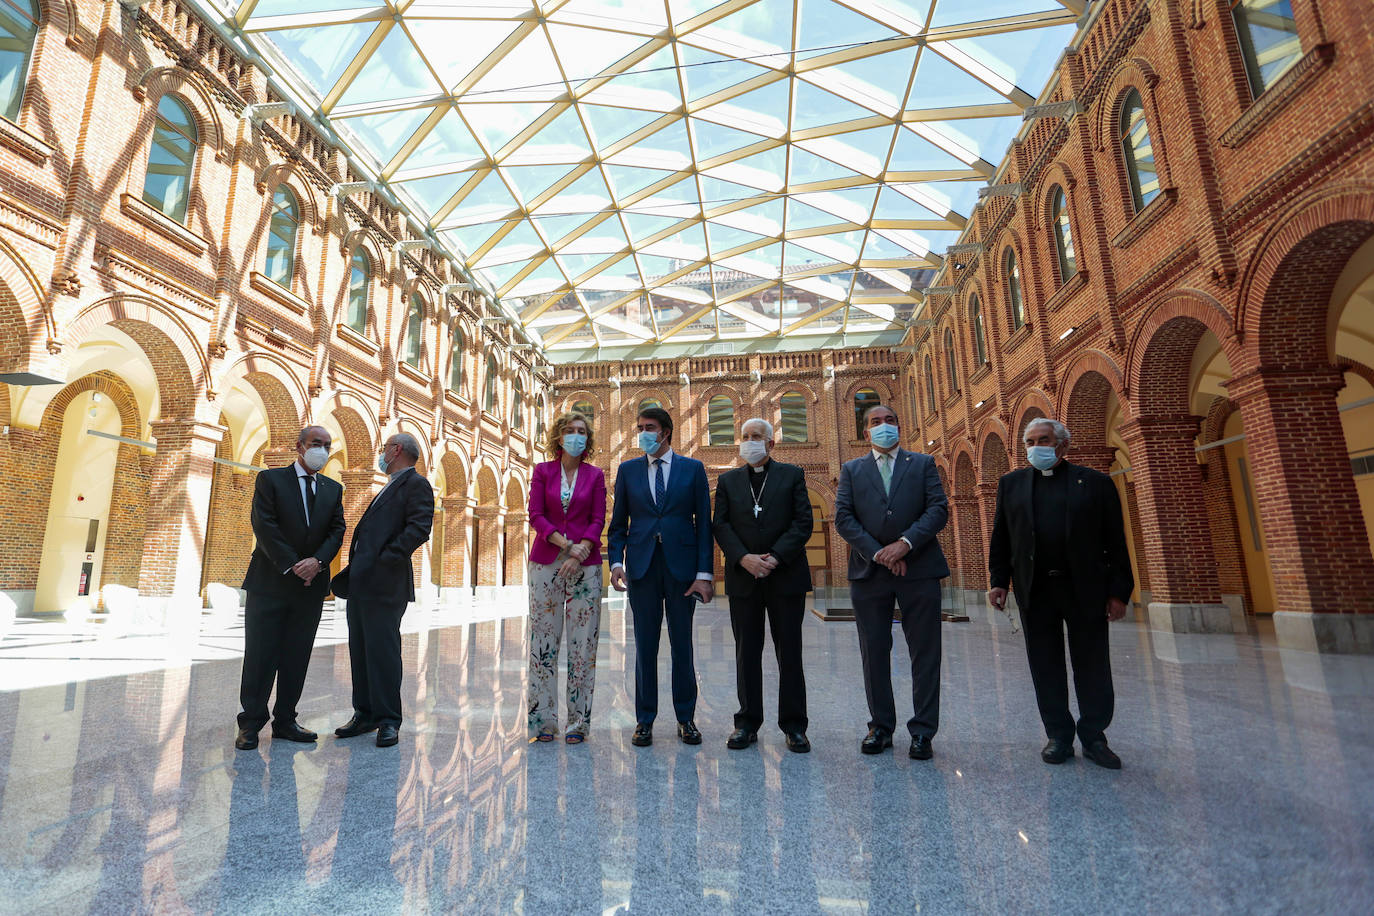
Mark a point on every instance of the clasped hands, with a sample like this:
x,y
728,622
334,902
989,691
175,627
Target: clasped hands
x,y
759,565
893,556
307,569
577,555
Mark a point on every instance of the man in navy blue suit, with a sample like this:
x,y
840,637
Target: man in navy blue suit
x,y
660,550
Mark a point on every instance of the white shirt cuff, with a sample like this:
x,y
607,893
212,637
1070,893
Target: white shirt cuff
x,y
615,566
705,577
908,543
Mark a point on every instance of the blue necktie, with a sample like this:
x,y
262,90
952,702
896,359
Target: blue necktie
x,y
658,482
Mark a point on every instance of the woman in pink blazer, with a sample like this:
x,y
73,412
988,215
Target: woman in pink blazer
x,y
567,512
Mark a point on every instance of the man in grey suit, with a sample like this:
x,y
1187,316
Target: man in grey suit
x,y
889,508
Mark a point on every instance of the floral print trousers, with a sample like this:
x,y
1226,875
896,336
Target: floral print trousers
x,y
557,604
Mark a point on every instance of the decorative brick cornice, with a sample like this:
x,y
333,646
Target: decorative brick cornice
x,y
1277,96
14,137
1106,65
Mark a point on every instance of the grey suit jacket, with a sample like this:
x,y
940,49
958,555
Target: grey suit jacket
x,y
916,509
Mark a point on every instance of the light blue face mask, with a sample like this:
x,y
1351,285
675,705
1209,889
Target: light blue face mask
x,y
382,462
884,435
648,442
1041,457
574,444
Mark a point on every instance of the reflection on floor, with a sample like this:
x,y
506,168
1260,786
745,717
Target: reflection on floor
x,y
1248,787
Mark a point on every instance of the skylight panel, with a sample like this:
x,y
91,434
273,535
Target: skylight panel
x,y
456,47
395,70
321,53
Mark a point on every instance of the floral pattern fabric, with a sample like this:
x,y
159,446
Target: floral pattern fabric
x,y
559,604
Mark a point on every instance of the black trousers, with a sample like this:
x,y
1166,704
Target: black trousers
x,y
1052,610
652,598
374,655
919,600
278,637
785,614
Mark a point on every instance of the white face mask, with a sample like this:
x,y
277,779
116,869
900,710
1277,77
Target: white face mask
x,y
315,457
753,451
382,462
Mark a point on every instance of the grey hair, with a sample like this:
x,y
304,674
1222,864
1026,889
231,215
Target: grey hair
x,y
1061,432
305,432
407,444
760,421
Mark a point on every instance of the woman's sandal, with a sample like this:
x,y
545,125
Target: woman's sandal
x,y
574,738
544,737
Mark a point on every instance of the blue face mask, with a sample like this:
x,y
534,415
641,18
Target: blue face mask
x,y
574,444
382,463
884,436
648,442
1041,457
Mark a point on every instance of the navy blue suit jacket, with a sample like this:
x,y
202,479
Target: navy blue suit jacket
x,y
683,521
915,509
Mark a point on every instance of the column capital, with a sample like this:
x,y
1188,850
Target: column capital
x,y
177,432
1287,380
1174,426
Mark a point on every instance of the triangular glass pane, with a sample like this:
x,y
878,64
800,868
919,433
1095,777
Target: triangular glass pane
x,y
715,192
655,74
320,53
959,196
606,237
655,267
529,64
914,154
878,80
713,139
764,219
808,167
585,195
449,142
863,151
497,123
454,47
561,140
621,275
825,25
948,12
533,180
1026,58
585,53
850,204
488,200
555,227
609,124
683,10
501,274
986,138
892,205
762,110
383,135
521,243
941,84
816,107
626,180
667,148
796,258
395,70
577,264
805,216
840,247
877,247
432,193
642,226
767,23
706,73
468,239
284,7
687,245
762,171
545,278
723,238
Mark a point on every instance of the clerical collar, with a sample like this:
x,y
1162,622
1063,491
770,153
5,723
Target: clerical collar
x,y
763,468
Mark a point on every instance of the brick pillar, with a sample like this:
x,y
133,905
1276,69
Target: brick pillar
x,y
1185,596
488,545
359,486
179,482
457,523
278,457
968,529
1221,510
517,545
1137,535
1097,457
1315,531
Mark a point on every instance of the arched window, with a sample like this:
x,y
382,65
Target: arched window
x,y
951,370
1268,40
1139,154
1018,302
18,29
795,423
586,409
1063,235
414,331
359,283
980,341
281,237
932,401
489,386
650,402
720,421
457,345
517,405
167,184
541,408
864,398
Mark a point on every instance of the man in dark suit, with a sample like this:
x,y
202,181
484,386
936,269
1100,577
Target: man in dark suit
x,y
1059,539
659,544
298,522
890,505
378,583
762,522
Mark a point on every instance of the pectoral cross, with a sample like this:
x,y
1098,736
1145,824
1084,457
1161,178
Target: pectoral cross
x,y
757,510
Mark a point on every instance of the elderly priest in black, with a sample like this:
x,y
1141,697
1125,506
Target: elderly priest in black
x,y
1058,539
762,522
298,521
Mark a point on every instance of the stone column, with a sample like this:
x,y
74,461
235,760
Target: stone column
x,y
1315,531
488,546
457,523
179,483
1185,595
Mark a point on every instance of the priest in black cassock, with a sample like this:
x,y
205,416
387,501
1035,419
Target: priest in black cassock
x,y
762,523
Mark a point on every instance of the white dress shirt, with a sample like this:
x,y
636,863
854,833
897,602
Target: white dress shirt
x,y
301,474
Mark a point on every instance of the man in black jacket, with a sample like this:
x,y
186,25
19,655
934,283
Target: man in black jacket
x,y
378,583
762,522
298,521
1058,539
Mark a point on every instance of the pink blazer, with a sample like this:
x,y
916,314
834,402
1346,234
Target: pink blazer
x,y
586,514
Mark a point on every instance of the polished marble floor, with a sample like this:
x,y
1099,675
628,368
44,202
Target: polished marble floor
x,y
1248,787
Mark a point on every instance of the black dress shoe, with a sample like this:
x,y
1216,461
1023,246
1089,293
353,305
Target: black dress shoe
x,y
741,738
643,736
1057,751
353,728
797,743
876,741
246,739
920,748
687,731
1103,756
387,735
292,731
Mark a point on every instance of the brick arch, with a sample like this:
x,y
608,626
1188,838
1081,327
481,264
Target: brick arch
x,y
107,384
187,87
486,485
412,426
631,404
738,403
276,383
178,361
1089,382
1058,175
993,457
291,175
366,239
583,394
21,307
1285,296
1183,303
1131,73
356,419
965,478
456,475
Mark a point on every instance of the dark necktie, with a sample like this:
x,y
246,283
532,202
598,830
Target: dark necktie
x,y
658,482
309,495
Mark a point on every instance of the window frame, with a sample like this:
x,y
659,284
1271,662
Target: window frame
x,y
932,396
457,345
1249,53
1016,293
183,214
859,408
414,325
784,436
22,83
274,211
491,397
1130,149
1061,227
951,361
712,403
361,328
976,322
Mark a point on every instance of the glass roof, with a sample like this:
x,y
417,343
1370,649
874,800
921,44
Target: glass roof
x,y
632,172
